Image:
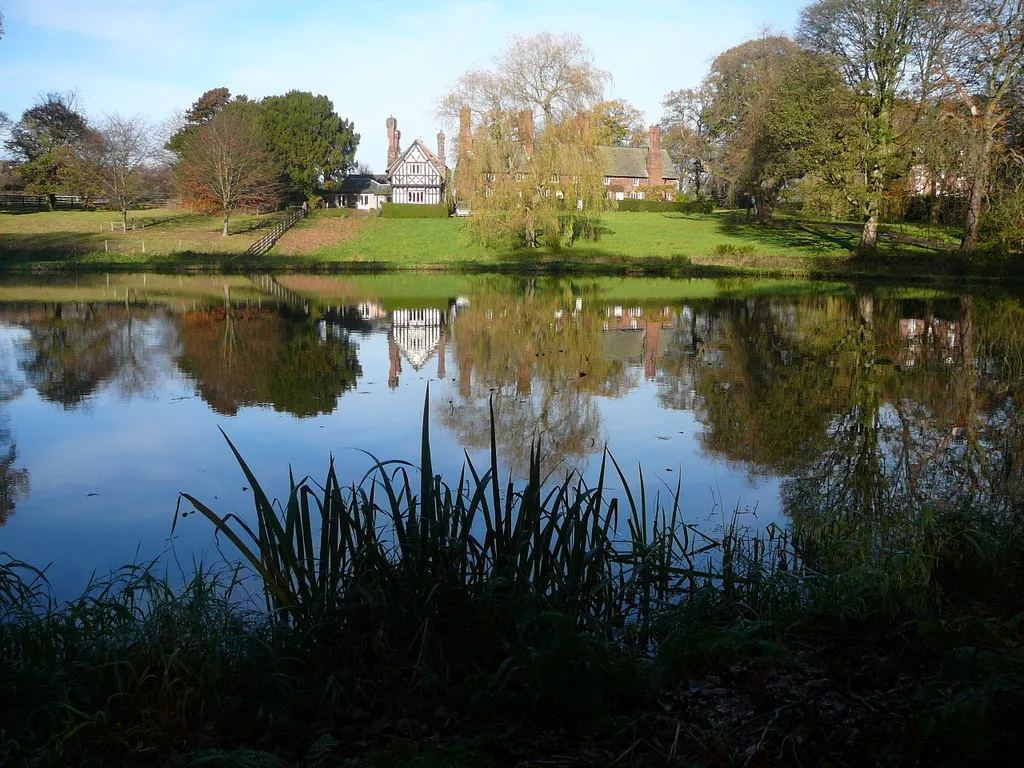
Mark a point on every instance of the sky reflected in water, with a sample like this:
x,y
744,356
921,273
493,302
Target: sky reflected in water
x,y
750,395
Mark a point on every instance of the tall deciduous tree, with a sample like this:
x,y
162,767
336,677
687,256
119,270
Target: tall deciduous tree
x,y
687,134
552,75
225,165
127,146
871,40
530,189
619,124
980,56
50,134
202,111
775,115
312,146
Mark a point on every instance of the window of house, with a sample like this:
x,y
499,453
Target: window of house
x,y
607,180
554,178
489,177
415,195
416,168
637,182
364,199
637,195
520,176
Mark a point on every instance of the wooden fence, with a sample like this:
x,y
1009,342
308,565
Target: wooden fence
x,y
266,242
29,203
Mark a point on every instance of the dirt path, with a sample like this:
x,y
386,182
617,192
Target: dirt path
x,y
320,232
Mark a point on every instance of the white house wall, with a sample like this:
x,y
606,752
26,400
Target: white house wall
x,y
415,179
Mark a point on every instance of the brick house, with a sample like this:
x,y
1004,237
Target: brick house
x,y
630,172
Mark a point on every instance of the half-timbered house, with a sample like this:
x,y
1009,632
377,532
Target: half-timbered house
x,y
415,175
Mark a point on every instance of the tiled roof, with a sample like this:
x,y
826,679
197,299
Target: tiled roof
x,y
365,184
631,162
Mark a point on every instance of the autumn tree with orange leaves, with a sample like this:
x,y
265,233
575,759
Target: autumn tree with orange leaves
x,y
226,166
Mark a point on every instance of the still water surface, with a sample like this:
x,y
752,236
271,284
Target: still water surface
x,y
766,399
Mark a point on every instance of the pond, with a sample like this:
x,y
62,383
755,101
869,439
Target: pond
x,y
758,399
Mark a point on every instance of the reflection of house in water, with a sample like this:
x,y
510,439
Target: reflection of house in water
x,y
415,335
926,339
634,335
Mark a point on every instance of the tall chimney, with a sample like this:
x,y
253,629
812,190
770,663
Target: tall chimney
x,y
655,172
465,130
582,123
440,151
392,125
526,132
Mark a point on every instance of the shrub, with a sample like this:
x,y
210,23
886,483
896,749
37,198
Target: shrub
x,y
414,211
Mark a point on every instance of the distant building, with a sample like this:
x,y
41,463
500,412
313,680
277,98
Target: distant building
x,y
416,175
629,172
364,192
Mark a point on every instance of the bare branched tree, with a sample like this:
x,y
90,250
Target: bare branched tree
x,y
226,166
554,75
128,145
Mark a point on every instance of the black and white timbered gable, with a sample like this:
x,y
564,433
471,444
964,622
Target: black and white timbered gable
x,y
417,176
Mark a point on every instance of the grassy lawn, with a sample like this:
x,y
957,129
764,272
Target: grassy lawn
x,y
714,244
159,236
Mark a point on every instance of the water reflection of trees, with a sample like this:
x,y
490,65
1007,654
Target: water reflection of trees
x,y
871,406
71,350
543,361
249,355
14,480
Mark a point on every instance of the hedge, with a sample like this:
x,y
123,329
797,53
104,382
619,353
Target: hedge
x,y
659,206
414,211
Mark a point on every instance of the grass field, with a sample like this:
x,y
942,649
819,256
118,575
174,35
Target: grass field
x,y
719,243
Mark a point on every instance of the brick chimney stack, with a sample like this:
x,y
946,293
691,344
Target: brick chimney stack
x,y
655,172
465,130
582,123
393,135
526,130
440,150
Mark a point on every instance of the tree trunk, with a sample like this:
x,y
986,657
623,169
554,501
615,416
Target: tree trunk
x,y
765,202
869,236
124,218
224,229
979,185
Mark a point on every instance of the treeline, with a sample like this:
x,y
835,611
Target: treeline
x,y
224,153
876,110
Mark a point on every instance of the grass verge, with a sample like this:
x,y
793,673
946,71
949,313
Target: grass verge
x,y
721,243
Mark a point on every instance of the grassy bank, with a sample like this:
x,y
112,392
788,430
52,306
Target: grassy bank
x,y
413,622
712,244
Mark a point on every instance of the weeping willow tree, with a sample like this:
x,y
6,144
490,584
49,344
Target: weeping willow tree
x,y
530,187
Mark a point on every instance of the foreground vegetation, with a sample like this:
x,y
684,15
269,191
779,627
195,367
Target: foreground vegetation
x,y
413,622
674,243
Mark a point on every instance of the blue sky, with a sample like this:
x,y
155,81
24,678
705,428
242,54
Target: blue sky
x,y
371,58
